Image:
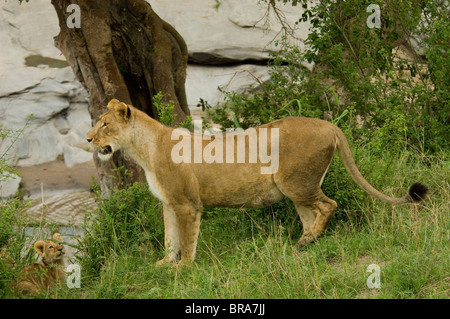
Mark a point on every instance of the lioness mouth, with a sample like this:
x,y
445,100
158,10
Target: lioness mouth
x,y
105,150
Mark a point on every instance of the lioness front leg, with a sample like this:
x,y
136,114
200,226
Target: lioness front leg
x,y
171,236
188,218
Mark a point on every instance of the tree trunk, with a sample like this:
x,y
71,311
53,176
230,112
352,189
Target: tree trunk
x,y
123,50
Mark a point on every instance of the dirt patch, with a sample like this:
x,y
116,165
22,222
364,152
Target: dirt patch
x,y
55,177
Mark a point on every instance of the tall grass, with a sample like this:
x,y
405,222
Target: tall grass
x,y
253,253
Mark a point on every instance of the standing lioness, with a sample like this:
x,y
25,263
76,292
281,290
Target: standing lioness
x,y
305,149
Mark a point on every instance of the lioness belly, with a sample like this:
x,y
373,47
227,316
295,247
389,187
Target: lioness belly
x,y
234,199
236,185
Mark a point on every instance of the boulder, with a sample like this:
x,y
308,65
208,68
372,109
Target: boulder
x,y
74,155
10,186
204,81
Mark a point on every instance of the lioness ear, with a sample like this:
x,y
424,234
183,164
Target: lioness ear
x,y
121,109
39,247
112,104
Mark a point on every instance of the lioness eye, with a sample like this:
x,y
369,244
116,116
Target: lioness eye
x,y
51,247
104,125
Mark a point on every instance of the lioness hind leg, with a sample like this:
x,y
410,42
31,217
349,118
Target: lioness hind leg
x,y
326,208
307,217
315,218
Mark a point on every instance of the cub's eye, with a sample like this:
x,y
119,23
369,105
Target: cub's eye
x,y
104,124
51,247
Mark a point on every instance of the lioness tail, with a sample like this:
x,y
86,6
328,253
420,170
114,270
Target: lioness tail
x,y
416,192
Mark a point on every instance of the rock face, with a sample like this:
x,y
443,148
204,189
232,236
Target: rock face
x,y
228,43
218,31
35,80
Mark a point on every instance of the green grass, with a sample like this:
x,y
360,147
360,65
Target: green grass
x,y
253,254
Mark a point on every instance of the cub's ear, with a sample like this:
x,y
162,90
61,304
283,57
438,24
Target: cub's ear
x,y
39,247
57,236
122,110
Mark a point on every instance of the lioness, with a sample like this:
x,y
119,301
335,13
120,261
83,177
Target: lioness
x,y
41,276
305,147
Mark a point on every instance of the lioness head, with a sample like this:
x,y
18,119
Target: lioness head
x,y
50,251
105,133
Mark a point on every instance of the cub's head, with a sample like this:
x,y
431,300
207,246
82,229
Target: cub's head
x,y
50,251
105,134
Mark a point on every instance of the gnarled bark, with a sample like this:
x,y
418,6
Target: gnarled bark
x,y
123,50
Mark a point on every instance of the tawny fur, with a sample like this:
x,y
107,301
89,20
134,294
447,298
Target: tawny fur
x,y
45,274
6,258
306,148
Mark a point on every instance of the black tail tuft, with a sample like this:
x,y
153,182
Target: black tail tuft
x,y
417,192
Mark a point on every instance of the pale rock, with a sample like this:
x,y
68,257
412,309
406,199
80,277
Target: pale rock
x,y
222,31
65,75
78,115
43,145
248,14
9,187
81,130
204,81
61,124
37,36
20,149
72,139
74,150
49,86
74,155
19,79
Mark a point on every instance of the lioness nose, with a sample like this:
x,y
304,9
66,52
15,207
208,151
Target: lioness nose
x,y
89,139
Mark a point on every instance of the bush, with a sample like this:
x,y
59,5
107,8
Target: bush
x,y
13,225
12,219
165,112
372,72
123,222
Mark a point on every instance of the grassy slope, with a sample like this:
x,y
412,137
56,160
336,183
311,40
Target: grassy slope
x,y
243,255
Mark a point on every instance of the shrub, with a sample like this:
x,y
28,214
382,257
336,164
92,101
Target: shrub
x,y
12,219
123,222
369,71
165,112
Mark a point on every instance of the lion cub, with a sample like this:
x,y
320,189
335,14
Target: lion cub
x,y
41,276
6,259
